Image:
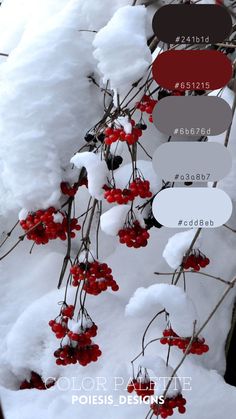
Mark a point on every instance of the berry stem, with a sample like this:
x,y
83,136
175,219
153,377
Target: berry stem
x,y
148,326
8,235
187,254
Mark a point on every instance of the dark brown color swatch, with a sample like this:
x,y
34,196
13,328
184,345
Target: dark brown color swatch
x,y
190,24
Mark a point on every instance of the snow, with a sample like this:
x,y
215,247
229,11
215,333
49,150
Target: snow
x,y
180,307
125,32
97,172
160,371
123,174
23,214
58,217
177,246
75,327
43,106
85,159
117,148
123,121
113,220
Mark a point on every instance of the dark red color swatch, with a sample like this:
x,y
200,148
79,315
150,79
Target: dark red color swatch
x,y
192,70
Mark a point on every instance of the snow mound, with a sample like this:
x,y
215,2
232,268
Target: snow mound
x,y
113,220
123,175
162,374
125,32
177,246
45,108
180,307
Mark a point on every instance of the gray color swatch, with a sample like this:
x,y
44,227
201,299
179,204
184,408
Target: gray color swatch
x,y
192,115
192,161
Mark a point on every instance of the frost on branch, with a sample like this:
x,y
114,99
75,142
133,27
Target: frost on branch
x,y
125,32
177,246
180,307
97,171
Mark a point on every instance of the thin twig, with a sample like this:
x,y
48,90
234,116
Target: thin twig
x,y
196,272
9,233
230,228
67,256
227,290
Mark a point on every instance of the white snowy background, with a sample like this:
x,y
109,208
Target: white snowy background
x,y
47,103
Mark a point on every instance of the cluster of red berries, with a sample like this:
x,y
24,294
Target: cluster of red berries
x,y
97,277
134,235
69,190
83,355
138,187
147,104
79,347
196,260
36,382
198,346
118,195
167,409
44,225
85,334
80,350
59,326
143,387
118,134
141,187
68,311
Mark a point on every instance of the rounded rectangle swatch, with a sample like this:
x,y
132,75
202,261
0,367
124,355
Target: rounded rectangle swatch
x,y
192,70
192,24
192,207
192,115
192,161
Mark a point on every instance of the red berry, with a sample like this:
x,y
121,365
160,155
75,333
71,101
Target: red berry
x,y
134,236
97,277
44,225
